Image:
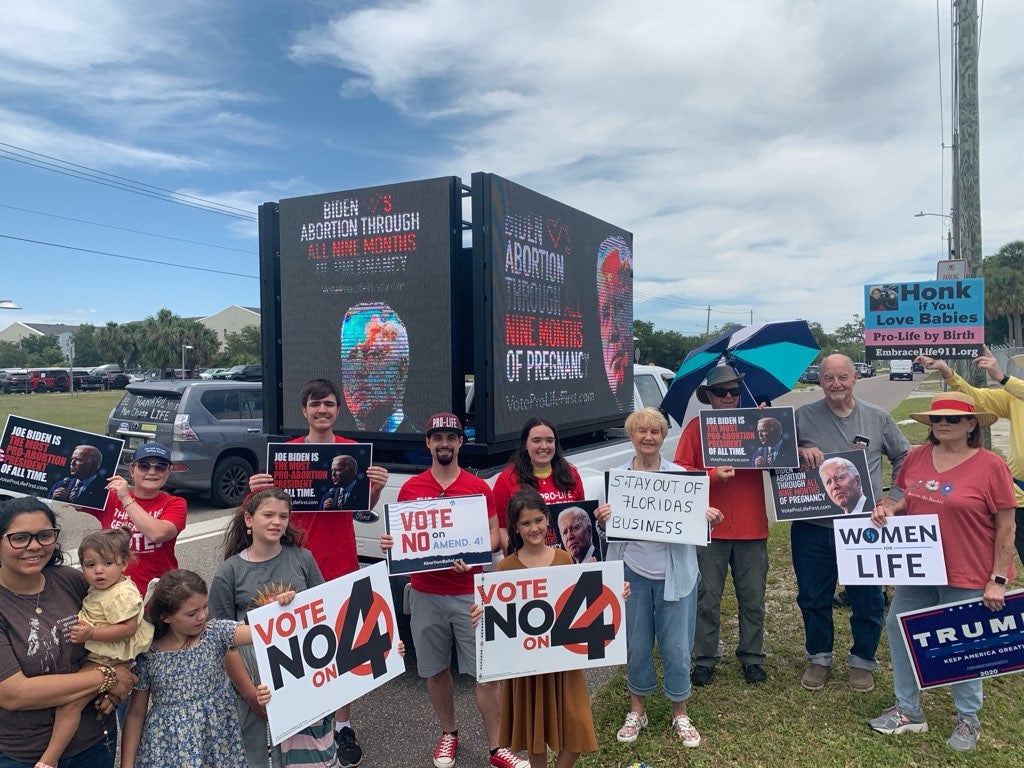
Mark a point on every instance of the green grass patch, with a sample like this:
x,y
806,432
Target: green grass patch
x,y
87,411
778,724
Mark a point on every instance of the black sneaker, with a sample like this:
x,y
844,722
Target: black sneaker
x,y
702,675
841,599
754,673
350,754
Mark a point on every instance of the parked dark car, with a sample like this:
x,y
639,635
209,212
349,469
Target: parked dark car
x,y
917,367
14,380
225,373
48,380
247,373
865,370
810,376
112,375
86,381
213,428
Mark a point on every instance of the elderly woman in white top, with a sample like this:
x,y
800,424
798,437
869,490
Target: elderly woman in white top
x,y
662,606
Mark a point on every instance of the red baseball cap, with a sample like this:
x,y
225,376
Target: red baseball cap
x,y
445,422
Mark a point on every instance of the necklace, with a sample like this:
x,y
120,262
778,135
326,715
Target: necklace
x,y
26,598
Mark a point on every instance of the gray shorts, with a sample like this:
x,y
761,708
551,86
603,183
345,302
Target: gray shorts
x,y
435,621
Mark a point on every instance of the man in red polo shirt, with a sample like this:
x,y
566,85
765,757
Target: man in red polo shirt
x,y
330,535
440,600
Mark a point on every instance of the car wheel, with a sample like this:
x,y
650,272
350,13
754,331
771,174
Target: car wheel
x,y
230,481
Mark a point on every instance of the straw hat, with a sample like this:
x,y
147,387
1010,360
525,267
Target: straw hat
x,y
719,375
955,404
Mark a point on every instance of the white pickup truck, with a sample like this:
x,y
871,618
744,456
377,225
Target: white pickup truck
x,y
613,449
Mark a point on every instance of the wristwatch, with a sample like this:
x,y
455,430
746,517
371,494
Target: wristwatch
x,y
1005,379
1001,580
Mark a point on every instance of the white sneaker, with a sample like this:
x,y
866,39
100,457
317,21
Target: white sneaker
x,y
685,731
631,728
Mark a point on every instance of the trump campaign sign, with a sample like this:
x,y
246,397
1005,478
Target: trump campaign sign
x,y
552,619
329,646
960,641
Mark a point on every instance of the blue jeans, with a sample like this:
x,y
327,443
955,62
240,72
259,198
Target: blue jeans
x,y
814,562
968,695
99,755
650,618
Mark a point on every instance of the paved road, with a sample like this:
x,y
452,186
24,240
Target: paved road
x,y
395,723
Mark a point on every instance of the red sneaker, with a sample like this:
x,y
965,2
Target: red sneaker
x,y
506,758
444,755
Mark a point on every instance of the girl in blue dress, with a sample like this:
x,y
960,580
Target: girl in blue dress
x,y
191,720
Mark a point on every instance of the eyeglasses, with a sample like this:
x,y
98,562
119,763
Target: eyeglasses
x,y
721,392
949,419
145,466
22,539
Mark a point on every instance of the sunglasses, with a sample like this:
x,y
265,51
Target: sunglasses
x,y
21,540
722,392
145,466
948,419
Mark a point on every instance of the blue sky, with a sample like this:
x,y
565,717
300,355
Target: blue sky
x,y
768,155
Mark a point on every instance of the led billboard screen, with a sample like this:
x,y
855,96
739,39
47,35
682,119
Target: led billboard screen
x,y
561,311
366,300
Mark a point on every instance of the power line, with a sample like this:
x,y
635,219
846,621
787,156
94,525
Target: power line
x,y
125,229
74,170
681,305
128,258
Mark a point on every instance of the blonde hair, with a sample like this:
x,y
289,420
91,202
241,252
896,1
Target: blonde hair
x,y
646,417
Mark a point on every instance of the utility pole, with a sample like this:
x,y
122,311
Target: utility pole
x,y
966,139
967,161
708,331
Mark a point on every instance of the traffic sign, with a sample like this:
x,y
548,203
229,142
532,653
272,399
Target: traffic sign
x,y
952,269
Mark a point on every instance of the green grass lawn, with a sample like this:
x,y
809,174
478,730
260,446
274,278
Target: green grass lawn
x,y
83,410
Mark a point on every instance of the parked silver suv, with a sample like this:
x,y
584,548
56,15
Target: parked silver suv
x,y
213,428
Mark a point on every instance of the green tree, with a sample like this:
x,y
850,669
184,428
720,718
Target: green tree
x,y
848,339
119,343
242,347
42,351
822,338
664,348
1004,288
203,341
161,340
12,355
87,351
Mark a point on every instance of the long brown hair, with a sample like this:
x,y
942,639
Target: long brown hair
x,y
522,500
561,470
171,592
238,535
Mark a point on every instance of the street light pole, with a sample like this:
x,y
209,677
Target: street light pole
x,y
949,232
183,348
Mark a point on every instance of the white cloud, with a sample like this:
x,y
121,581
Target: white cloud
x,y
767,155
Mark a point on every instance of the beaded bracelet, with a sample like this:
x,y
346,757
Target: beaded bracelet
x,y
109,679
